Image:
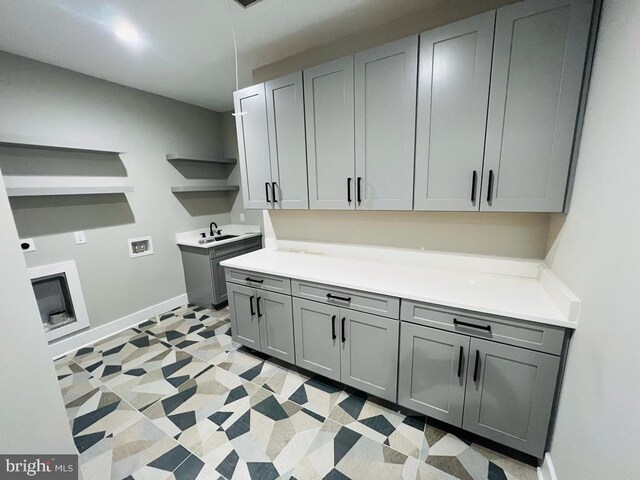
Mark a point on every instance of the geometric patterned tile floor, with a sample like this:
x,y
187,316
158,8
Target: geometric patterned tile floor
x,y
180,400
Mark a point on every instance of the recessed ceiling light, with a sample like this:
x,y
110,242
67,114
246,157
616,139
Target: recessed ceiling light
x,y
128,34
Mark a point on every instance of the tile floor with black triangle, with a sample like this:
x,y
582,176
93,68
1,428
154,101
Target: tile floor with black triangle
x,y
178,399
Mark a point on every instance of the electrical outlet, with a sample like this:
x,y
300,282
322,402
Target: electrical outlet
x,y
27,245
80,238
242,217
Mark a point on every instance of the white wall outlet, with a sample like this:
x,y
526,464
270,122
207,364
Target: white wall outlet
x,y
27,245
139,247
80,238
242,217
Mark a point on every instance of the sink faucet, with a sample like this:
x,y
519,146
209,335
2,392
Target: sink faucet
x,y
213,231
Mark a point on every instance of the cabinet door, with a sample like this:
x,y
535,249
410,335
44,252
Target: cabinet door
x,y
453,93
253,146
328,97
433,372
538,62
285,115
385,105
369,353
510,393
245,328
275,316
317,342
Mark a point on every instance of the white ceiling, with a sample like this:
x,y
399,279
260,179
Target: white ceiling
x,y
188,48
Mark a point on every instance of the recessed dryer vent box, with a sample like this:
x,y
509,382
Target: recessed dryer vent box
x,y
140,247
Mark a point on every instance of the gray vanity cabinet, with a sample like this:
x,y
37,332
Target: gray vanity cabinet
x,y
538,62
432,376
253,146
285,119
369,353
509,395
317,341
262,320
385,112
358,349
244,322
453,93
329,114
275,316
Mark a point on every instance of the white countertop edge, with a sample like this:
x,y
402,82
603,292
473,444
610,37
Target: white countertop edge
x,y
564,298
562,320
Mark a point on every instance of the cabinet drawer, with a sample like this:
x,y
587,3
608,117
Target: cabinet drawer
x,y
534,336
259,280
344,297
232,247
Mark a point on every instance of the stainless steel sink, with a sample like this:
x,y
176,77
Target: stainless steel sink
x,y
204,241
224,237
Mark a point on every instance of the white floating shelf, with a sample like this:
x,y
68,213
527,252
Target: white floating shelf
x,y
187,158
36,186
205,188
20,141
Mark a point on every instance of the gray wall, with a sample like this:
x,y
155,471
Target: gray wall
x,y
595,251
41,100
435,14
32,415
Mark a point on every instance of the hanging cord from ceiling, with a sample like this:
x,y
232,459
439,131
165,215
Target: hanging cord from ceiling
x,y
235,52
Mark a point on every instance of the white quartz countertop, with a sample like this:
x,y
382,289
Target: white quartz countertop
x,y
242,232
512,296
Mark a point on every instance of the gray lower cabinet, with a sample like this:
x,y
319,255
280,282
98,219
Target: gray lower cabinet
x,y
369,353
245,328
509,395
536,78
453,93
262,320
432,376
316,328
495,377
204,277
358,349
275,316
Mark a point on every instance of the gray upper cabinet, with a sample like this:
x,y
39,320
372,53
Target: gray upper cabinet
x,y
385,112
285,115
538,63
275,316
432,374
245,328
317,343
509,395
453,93
330,134
369,354
253,146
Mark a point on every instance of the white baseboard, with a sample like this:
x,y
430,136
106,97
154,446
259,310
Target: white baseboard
x,y
93,335
546,471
